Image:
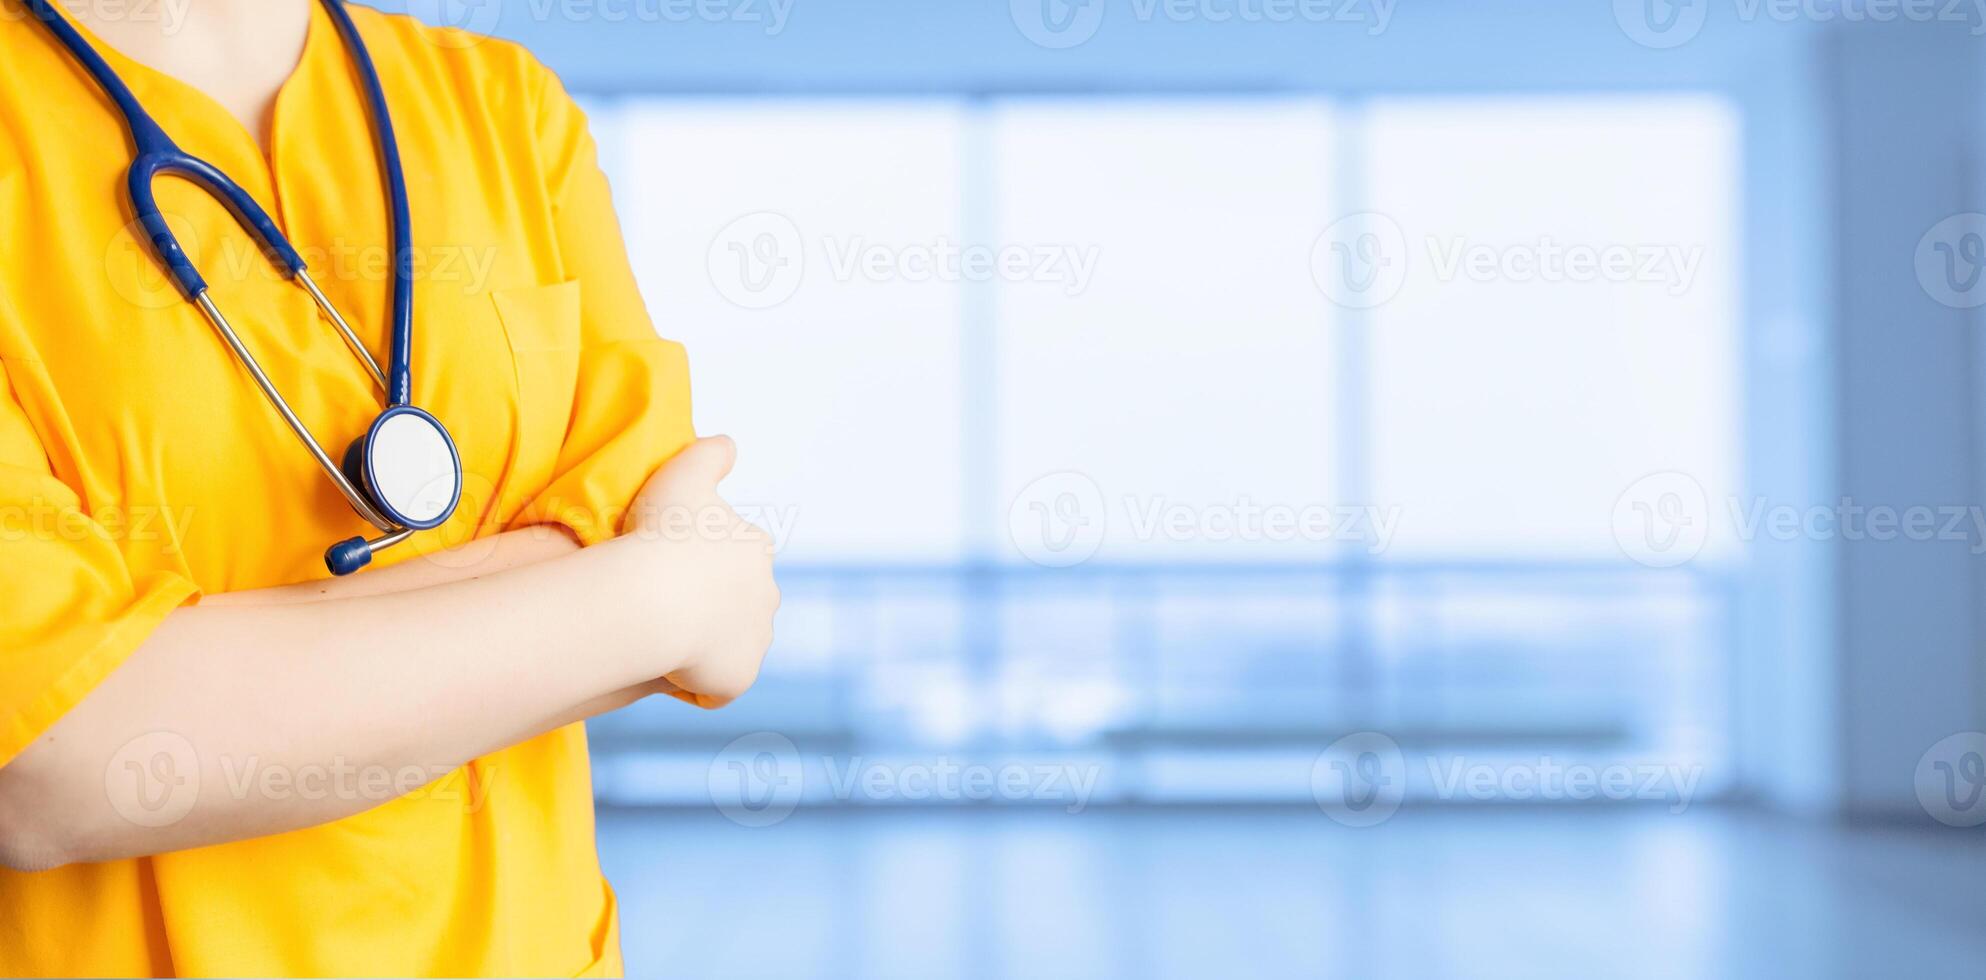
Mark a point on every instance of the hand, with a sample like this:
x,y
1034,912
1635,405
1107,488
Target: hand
x,y
706,574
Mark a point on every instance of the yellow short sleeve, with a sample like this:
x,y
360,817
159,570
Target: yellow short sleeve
x,y
71,607
631,411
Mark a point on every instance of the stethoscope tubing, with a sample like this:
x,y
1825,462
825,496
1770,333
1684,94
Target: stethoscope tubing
x,y
351,493
155,153
400,372
158,154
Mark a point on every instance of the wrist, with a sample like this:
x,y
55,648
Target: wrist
x,y
623,591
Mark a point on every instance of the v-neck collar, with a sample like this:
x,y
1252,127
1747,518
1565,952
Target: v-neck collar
x,y
143,79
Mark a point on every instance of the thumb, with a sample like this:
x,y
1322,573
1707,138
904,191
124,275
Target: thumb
x,y
709,458
700,466
690,475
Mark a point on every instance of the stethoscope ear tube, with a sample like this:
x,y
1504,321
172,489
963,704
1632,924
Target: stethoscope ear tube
x,y
352,494
146,168
401,507
400,370
345,557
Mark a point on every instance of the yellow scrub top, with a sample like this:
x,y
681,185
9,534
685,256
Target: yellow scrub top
x,y
141,469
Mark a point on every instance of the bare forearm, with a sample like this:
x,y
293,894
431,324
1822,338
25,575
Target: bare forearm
x,y
414,668
474,559
423,679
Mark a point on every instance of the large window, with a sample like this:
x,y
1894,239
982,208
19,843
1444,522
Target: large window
x,y
1187,435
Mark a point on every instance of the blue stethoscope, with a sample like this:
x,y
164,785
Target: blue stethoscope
x,y
404,475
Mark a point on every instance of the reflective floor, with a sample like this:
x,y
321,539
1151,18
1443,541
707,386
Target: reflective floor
x,y
1192,893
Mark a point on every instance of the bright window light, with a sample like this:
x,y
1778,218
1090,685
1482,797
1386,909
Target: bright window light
x,y
1568,320
1192,371
780,242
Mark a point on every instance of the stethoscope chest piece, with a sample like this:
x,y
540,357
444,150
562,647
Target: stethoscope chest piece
x,y
409,468
406,474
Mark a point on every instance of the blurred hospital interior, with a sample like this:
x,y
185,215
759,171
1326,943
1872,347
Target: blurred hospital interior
x,y
1331,488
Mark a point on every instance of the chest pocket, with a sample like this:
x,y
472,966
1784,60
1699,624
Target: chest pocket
x,y
541,324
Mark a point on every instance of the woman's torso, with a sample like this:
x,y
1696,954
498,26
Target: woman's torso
x,y
143,411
